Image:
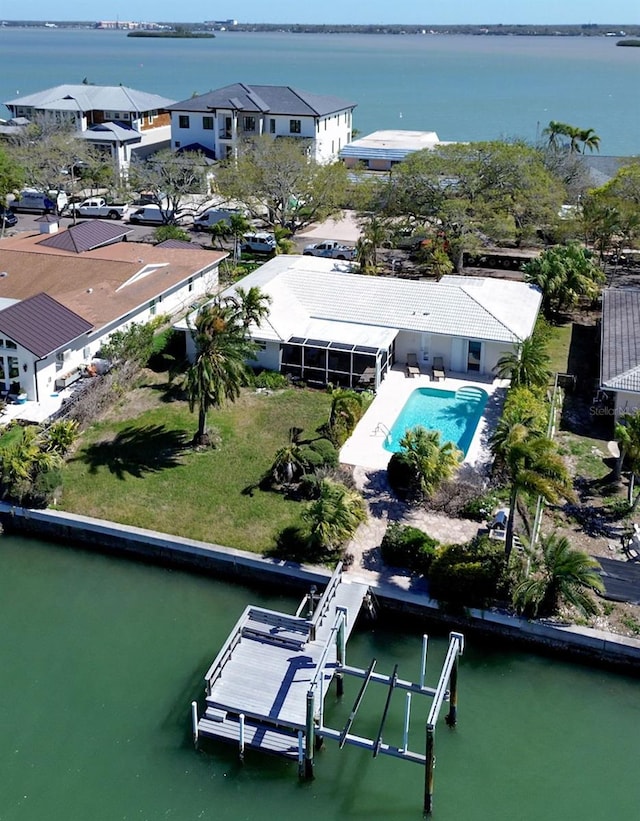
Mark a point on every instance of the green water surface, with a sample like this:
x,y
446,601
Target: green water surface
x,y
101,657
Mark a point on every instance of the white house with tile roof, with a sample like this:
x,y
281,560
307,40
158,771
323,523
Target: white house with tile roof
x,y
328,325
122,122
219,120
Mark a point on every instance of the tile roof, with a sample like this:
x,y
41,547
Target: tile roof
x,y
620,344
100,285
85,236
305,288
41,324
88,98
265,99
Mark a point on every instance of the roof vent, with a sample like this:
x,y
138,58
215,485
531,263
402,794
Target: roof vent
x,y
89,290
3,274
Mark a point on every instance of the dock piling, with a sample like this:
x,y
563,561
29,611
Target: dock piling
x,y
423,661
405,734
241,736
309,736
194,722
300,754
341,651
428,769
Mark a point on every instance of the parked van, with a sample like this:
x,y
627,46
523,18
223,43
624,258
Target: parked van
x,y
212,216
149,215
41,202
259,243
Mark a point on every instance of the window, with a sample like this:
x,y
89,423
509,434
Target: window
x,y
190,288
59,361
2,373
207,123
86,352
152,307
183,121
14,368
295,126
8,343
249,123
475,355
177,143
272,126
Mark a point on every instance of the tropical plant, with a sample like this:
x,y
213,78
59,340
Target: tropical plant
x,y
579,138
23,462
60,436
470,574
219,369
534,468
253,305
527,365
564,275
289,463
432,461
333,518
559,575
347,408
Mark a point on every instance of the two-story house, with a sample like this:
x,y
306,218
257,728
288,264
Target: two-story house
x,y
117,120
219,120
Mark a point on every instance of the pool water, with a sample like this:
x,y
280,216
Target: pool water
x,y
455,414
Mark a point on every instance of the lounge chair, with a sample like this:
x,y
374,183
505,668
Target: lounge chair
x,y
437,369
412,369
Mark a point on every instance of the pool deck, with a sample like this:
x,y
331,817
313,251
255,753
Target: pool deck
x,y
365,447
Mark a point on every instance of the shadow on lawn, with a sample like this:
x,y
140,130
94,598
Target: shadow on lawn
x,y
137,451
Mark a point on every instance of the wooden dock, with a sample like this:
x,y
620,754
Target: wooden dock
x,y
267,686
266,667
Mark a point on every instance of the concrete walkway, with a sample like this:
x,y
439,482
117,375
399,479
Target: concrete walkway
x,y
383,509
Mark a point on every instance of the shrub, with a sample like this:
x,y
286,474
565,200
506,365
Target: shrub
x,y
470,574
326,451
480,508
271,380
408,547
347,410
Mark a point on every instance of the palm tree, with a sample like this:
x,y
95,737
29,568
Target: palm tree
x,y
218,370
589,139
535,468
333,518
559,575
253,305
527,365
434,462
564,274
555,130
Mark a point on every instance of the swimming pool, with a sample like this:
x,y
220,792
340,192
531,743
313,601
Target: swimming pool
x,y
454,413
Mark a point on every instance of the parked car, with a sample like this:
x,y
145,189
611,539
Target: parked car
x,y
259,242
98,207
212,216
149,215
7,218
331,249
41,202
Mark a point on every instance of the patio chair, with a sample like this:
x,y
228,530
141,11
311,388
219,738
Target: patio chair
x,y
412,368
437,369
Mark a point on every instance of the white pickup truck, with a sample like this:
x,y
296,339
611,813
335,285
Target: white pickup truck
x,y
329,248
99,207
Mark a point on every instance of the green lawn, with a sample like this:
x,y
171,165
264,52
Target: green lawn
x,y
137,468
559,344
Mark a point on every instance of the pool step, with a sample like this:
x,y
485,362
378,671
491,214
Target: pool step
x,y
470,394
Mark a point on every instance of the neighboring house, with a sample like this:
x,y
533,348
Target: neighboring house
x,y
63,294
620,348
327,325
382,150
117,120
220,119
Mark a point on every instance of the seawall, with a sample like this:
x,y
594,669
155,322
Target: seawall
x,y
570,641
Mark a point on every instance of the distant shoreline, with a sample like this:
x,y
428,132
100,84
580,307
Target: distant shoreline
x,y
616,30
174,35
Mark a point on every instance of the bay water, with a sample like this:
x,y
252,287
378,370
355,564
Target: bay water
x,y
461,86
102,656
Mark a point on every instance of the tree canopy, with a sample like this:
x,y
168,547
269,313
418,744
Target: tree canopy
x,y
564,275
276,181
471,192
169,178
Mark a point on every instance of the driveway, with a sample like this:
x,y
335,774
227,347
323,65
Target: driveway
x,y
343,229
